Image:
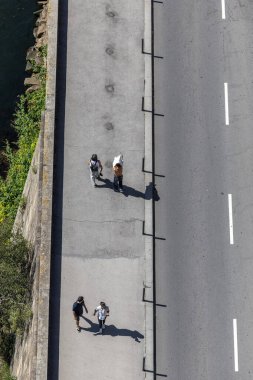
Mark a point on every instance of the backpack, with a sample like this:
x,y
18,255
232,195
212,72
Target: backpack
x,y
93,166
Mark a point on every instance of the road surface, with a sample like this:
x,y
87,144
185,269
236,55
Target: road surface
x,y
204,147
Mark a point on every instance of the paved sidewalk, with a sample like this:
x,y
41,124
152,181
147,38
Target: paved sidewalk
x,y
100,249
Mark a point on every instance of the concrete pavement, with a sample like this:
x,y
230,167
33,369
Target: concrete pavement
x,y
98,246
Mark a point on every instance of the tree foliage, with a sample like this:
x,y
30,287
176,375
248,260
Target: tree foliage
x,y
15,287
5,372
18,156
15,253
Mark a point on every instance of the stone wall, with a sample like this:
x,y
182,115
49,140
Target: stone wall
x,y
34,215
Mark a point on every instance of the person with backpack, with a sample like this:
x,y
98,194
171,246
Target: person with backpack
x,y
103,312
118,172
95,169
78,311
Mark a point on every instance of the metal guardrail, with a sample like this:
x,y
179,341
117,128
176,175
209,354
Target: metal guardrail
x,y
154,238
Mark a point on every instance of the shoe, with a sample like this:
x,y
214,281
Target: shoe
x,y
101,175
95,185
78,329
121,190
103,327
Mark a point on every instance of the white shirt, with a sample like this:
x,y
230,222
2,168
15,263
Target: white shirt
x,y
118,160
95,164
102,312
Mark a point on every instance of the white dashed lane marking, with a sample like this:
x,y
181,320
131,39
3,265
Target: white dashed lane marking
x,y
230,213
235,345
223,10
226,103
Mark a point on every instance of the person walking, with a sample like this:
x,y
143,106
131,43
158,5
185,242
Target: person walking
x,y
103,312
118,172
95,169
78,310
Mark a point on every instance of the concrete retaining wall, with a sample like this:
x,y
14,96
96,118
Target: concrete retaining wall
x,y
34,219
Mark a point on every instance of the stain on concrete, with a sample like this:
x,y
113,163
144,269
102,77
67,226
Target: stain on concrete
x,y
109,126
110,88
109,50
111,13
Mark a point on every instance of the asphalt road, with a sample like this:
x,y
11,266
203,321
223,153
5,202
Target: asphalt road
x,y
203,146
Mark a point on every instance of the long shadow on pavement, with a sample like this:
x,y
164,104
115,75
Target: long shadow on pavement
x,y
56,250
130,191
112,330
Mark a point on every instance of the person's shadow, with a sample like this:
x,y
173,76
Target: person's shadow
x,y
112,330
130,191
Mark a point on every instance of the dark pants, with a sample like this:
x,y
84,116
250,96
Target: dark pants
x,y
101,322
118,181
77,318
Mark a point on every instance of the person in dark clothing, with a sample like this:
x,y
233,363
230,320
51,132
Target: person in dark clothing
x,y
78,310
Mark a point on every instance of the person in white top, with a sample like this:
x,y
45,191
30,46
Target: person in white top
x,y
95,169
103,312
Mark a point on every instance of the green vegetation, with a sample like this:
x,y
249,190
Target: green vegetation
x,y
26,122
15,287
15,253
5,372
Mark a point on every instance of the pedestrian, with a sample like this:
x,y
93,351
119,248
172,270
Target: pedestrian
x,y
95,169
118,172
78,310
103,312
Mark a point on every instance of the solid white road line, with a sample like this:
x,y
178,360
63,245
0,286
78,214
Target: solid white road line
x,y
223,15
226,103
235,345
230,213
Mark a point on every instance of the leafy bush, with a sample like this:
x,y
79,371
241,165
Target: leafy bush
x,y
27,119
15,287
15,253
5,372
